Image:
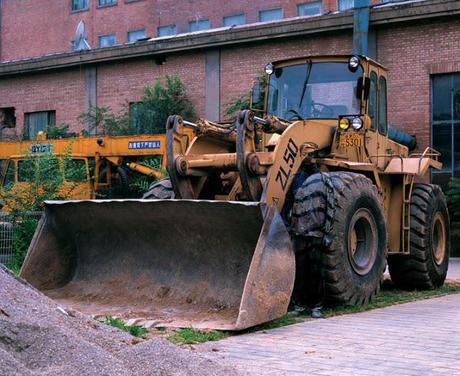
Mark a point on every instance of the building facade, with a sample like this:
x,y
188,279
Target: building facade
x,y
50,73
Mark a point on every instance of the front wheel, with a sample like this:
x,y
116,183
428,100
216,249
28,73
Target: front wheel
x,y
353,261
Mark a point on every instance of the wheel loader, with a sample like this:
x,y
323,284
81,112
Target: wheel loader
x,y
218,245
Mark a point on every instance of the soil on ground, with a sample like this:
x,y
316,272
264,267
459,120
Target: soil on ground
x,y
38,337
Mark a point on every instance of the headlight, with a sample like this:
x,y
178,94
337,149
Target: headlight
x,y
344,124
357,123
353,63
269,68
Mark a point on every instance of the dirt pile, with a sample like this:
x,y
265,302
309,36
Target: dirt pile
x,y
37,337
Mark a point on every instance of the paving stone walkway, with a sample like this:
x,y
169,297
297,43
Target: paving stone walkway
x,y
419,338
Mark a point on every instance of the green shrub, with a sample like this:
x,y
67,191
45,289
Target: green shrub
x,y
42,179
166,97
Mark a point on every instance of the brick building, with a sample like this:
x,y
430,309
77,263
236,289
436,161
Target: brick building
x,y
51,74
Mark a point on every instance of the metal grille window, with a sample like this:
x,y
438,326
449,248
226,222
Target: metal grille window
x,y
38,121
135,35
345,4
199,25
238,19
164,31
445,125
79,4
107,40
103,3
270,14
309,9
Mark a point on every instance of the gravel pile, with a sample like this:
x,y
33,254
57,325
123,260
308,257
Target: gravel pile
x,y
37,337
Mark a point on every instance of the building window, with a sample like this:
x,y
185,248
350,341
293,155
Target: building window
x,y
38,122
104,3
107,40
270,15
135,35
164,31
309,9
199,25
445,125
238,19
345,4
79,4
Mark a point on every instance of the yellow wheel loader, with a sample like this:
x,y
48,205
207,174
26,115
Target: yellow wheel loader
x,y
219,244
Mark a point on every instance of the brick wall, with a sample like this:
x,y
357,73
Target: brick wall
x,y
62,92
32,28
410,52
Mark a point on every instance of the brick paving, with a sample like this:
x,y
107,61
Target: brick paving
x,y
419,338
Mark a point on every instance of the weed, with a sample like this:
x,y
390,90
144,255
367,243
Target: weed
x,y
190,336
135,330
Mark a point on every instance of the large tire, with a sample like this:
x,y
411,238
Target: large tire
x,y
426,265
353,257
161,189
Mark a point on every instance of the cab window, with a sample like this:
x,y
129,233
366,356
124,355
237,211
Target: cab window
x,y
37,170
372,106
9,174
382,106
75,170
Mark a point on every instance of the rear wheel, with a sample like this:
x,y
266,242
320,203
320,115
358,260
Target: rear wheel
x,y
426,265
161,189
353,250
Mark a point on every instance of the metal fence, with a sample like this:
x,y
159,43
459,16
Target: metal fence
x,y
7,232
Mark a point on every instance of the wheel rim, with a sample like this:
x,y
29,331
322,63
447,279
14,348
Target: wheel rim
x,y
438,236
362,241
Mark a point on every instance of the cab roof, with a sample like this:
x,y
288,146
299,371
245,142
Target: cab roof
x,y
326,58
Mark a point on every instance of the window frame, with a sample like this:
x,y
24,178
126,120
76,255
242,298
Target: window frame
x,y
234,15
99,38
51,120
190,23
113,3
164,27
134,31
346,9
269,10
76,10
318,2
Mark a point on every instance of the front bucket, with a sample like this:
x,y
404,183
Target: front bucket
x,y
205,264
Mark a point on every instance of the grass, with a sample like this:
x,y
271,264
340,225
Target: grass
x,y
388,296
189,336
135,330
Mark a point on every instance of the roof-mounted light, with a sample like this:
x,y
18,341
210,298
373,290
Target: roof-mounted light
x,y
269,68
353,63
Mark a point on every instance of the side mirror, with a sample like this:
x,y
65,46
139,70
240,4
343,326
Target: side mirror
x,y
362,89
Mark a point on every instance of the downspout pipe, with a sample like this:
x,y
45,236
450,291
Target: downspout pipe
x,y
360,27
